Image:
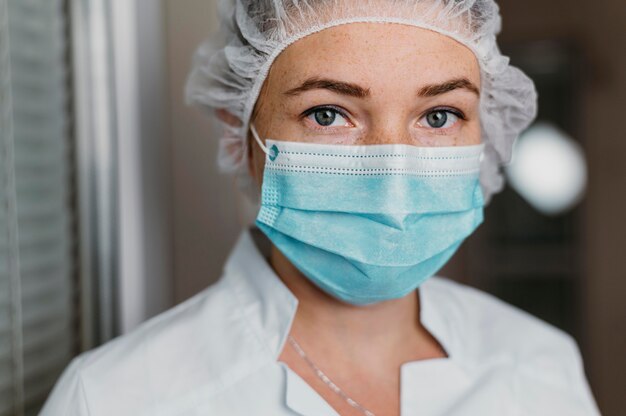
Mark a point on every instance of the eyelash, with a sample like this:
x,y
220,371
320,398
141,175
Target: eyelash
x,y
343,114
452,110
324,107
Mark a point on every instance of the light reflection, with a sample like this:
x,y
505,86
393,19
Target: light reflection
x,y
548,169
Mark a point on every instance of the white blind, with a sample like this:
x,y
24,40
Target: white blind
x,y
37,336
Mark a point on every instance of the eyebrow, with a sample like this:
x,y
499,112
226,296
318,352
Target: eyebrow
x,y
354,90
453,84
340,87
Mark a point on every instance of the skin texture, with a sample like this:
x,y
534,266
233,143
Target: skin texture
x,y
361,348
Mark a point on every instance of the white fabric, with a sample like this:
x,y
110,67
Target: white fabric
x,y
216,354
230,68
368,159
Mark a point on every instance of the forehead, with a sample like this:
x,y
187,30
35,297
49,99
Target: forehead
x,y
379,54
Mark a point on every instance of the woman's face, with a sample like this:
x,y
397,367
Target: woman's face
x,y
370,83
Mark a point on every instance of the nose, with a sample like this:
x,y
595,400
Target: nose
x,y
388,128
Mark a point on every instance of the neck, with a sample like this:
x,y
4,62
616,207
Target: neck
x,y
389,330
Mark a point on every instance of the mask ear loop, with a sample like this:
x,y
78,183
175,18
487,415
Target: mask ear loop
x,y
258,140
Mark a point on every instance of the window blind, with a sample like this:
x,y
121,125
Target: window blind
x,y
37,335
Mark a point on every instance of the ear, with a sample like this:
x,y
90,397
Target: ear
x,y
231,144
228,117
232,120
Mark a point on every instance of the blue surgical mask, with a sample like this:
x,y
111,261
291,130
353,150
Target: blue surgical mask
x,y
369,223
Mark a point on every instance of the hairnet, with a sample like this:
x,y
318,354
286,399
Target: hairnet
x,y
229,68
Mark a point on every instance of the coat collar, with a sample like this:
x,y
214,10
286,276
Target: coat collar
x,y
269,306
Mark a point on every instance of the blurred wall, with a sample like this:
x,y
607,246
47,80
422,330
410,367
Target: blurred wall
x,y
599,28
204,207
205,211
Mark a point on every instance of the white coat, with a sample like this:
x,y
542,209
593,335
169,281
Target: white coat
x,y
216,355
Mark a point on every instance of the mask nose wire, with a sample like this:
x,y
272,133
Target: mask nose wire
x,y
258,140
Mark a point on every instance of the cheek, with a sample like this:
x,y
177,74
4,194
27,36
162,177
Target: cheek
x,y
470,134
258,167
474,135
256,162
469,137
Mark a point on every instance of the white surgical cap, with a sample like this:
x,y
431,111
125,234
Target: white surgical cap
x,y
229,68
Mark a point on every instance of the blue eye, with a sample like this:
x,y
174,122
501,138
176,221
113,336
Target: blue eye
x,y
440,119
326,117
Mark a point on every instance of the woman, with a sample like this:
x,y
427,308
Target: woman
x,y
372,132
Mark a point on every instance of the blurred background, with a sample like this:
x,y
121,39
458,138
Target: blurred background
x,y
112,210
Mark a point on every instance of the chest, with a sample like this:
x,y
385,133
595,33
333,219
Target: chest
x,y
356,394
426,388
